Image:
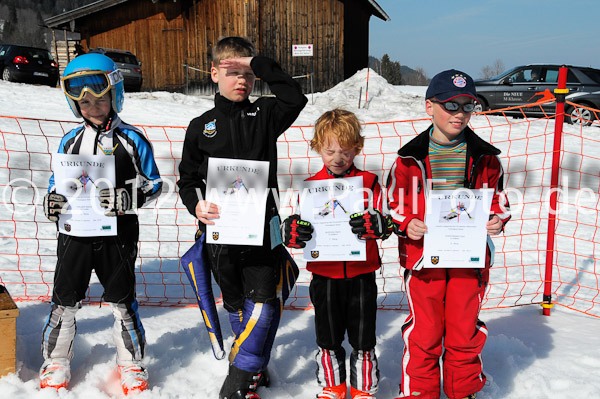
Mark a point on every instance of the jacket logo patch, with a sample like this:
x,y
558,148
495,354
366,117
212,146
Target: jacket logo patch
x,y
210,129
435,260
253,113
215,235
314,254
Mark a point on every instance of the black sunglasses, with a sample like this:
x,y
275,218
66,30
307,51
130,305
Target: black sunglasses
x,y
454,106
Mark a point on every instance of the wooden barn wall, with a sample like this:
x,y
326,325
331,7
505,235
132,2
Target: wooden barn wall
x,y
318,22
166,35
356,35
208,20
153,32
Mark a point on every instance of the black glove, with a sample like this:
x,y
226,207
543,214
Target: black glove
x,y
370,225
296,232
116,201
54,205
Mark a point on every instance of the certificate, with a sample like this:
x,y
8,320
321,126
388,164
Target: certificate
x,y
79,178
328,204
456,233
239,188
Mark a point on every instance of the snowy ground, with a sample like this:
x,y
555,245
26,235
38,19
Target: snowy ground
x,y
526,356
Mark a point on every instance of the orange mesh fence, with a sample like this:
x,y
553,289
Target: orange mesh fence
x,y
28,239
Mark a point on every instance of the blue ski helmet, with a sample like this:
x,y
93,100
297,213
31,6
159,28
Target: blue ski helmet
x,y
94,73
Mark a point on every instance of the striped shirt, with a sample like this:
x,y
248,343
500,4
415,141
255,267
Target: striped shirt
x,y
447,162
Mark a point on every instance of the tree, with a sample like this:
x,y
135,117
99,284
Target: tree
x,y
417,78
489,71
390,70
375,64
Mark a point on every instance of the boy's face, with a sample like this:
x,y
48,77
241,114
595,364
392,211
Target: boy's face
x,y
95,109
447,125
235,84
337,159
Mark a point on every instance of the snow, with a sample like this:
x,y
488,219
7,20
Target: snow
x,y
527,355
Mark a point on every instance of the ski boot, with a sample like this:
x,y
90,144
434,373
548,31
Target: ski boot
x,y
358,394
134,379
262,378
242,384
55,373
336,392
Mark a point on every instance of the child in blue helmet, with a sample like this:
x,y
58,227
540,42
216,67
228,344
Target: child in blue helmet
x,y
93,86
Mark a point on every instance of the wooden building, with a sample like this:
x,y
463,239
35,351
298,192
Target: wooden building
x,y
173,38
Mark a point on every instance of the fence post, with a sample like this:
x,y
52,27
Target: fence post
x,y
367,89
560,92
187,78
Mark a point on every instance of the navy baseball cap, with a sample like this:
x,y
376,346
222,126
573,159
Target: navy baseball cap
x,y
449,84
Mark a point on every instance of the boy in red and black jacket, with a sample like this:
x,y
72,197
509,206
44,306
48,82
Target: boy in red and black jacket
x,y
444,302
344,293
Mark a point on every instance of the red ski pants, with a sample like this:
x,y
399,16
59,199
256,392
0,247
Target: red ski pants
x,y
444,309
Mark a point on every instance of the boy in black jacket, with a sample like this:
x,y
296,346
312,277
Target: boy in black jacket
x,y
238,128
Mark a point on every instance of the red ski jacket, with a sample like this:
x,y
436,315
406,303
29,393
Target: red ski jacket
x,y
348,269
408,188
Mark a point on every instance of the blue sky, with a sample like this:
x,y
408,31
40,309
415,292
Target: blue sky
x,y
441,34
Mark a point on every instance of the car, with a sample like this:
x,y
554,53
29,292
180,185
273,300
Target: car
x,y
129,65
27,65
527,84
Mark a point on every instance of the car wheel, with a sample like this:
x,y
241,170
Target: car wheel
x,y
6,75
480,106
576,115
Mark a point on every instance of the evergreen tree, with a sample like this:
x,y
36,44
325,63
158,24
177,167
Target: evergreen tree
x,y
390,70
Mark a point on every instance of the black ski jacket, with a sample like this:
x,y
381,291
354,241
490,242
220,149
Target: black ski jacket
x,y
241,130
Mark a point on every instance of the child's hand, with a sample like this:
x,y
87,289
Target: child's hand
x,y
207,210
369,225
296,232
416,229
494,226
232,63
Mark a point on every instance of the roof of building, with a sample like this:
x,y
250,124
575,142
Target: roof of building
x,y
67,19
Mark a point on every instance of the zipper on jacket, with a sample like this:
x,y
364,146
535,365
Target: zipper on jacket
x,y
472,172
234,140
96,141
245,136
345,270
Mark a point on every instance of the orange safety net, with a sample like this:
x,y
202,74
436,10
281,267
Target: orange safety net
x,y
28,239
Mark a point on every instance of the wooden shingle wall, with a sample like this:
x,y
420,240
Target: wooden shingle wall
x,y
166,35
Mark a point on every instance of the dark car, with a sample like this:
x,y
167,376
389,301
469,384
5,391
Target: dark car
x,y
129,65
529,83
28,65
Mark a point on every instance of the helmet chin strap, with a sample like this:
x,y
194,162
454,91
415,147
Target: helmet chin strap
x,y
103,127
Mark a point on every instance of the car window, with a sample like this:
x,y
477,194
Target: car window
x,y
551,75
571,78
593,74
504,73
123,58
36,54
526,75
